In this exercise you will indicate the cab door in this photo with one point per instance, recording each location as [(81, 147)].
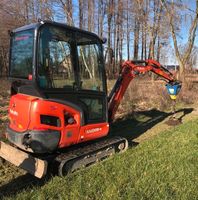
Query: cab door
[(92, 78)]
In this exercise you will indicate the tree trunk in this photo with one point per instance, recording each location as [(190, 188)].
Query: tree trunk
[(101, 14), (109, 55), (136, 38), (91, 15), (80, 13), (128, 32)]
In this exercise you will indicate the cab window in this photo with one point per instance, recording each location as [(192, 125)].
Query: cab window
[(22, 54), (55, 59), (90, 63)]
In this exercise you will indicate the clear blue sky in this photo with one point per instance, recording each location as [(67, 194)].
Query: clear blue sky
[(186, 24)]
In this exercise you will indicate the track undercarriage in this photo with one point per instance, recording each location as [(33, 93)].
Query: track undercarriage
[(64, 161), (89, 154)]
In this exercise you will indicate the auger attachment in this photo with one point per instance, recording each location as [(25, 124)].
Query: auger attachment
[(173, 89)]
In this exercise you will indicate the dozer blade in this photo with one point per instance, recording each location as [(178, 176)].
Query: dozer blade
[(34, 166)]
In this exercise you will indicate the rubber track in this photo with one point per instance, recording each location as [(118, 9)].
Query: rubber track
[(91, 148)]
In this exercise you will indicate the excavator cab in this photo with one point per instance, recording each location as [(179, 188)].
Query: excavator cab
[(55, 61)]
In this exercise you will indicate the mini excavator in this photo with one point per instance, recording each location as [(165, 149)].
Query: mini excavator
[(59, 110)]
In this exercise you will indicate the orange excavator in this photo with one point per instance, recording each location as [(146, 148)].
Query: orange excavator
[(59, 111)]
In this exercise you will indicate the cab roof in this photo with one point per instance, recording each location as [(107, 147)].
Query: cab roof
[(52, 23)]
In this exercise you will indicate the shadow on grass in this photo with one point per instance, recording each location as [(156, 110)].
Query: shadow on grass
[(131, 126), (137, 123), (21, 183)]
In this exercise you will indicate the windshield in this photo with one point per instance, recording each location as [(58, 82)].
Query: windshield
[(22, 54), (69, 60)]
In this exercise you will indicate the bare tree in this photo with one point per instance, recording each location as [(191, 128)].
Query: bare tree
[(67, 6), (101, 16), (155, 27), (182, 58), (80, 13), (91, 12), (110, 14)]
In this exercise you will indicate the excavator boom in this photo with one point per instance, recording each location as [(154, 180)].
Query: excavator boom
[(129, 70)]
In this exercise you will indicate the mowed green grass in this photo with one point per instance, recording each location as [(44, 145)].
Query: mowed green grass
[(164, 167)]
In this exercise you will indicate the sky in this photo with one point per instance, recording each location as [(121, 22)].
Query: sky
[(186, 25)]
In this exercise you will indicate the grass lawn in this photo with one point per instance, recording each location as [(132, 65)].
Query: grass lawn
[(164, 167)]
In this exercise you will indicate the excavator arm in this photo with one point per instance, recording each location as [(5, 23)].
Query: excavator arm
[(129, 70)]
